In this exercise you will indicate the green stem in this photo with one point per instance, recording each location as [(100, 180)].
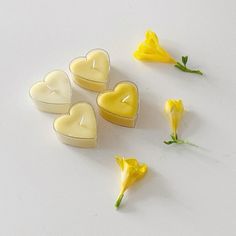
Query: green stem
[(119, 199), (174, 139), (184, 68)]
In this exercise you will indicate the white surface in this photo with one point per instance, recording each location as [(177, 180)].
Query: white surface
[(48, 188)]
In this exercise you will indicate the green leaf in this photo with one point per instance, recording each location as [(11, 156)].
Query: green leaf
[(197, 72), (184, 68), (169, 142), (185, 60)]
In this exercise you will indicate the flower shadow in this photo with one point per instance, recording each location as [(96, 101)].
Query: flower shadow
[(143, 191), (191, 123), (151, 122)]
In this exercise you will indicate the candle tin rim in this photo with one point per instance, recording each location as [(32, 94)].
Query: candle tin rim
[(85, 57), (110, 90), (50, 103), (68, 113)]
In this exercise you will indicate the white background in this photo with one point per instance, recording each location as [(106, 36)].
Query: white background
[(48, 188)]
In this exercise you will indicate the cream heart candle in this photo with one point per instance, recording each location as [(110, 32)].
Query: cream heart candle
[(120, 106), (91, 72), (53, 94), (79, 127)]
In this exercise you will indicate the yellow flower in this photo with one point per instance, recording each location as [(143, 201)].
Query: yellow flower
[(174, 110), (150, 50), (131, 171)]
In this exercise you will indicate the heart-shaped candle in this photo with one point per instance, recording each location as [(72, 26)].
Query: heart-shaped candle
[(79, 127), (91, 72), (120, 106), (53, 94)]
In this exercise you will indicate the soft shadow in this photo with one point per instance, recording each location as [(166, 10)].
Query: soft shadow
[(111, 139), (162, 68), (153, 185), (173, 50), (82, 95), (187, 151), (149, 116), (152, 122), (76, 95), (112, 136), (102, 158), (191, 123), (116, 76)]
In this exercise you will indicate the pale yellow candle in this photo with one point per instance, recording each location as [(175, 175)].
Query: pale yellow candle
[(120, 106), (91, 72), (79, 127), (53, 94)]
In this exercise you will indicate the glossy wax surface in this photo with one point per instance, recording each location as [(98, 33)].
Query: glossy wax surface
[(94, 67), (80, 123), (122, 101), (54, 89)]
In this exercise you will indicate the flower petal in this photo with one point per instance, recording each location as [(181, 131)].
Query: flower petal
[(120, 161), (132, 162), (150, 50), (174, 110), (143, 169)]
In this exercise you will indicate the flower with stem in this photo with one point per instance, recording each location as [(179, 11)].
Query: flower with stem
[(131, 171), (151, 50), (174, 110)]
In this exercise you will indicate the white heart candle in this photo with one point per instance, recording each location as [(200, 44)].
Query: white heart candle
[(79, 127), (53, 94), (91, 72)]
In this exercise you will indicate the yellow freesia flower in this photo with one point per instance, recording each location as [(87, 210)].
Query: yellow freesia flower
[(174, 110), (150, 50), (131, 171)]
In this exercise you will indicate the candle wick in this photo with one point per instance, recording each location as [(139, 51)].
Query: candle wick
[(51, 90), (94, 63), (93, 66), (81, 121), (124, 100)]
